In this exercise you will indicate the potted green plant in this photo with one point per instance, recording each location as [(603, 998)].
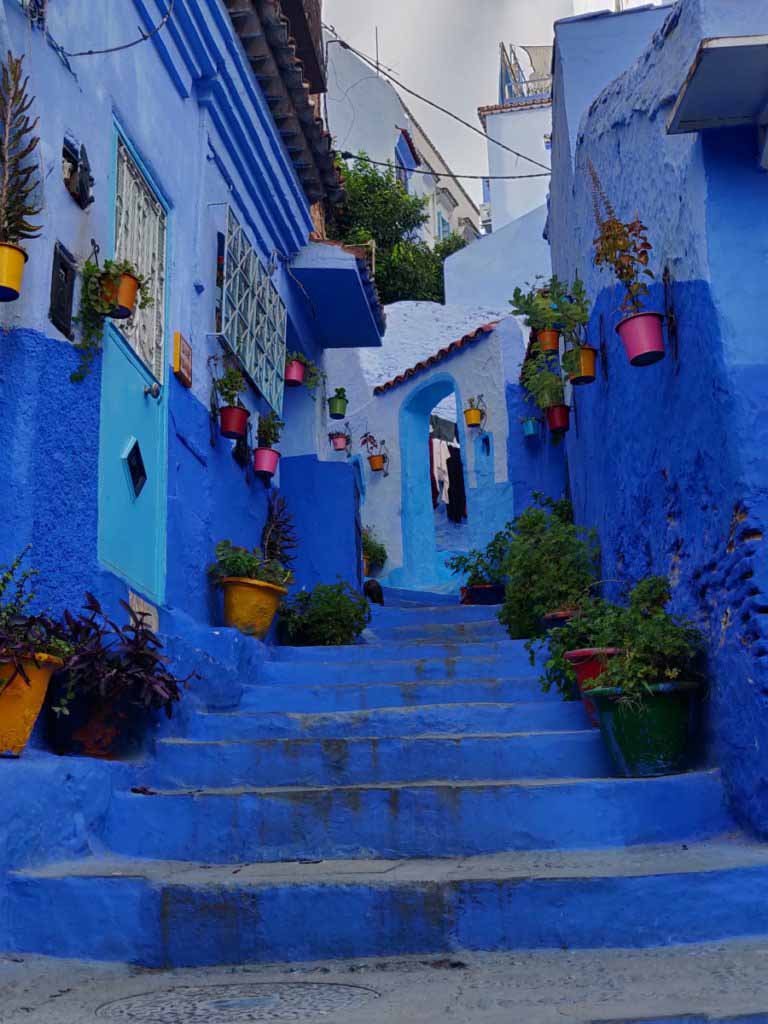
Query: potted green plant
[(545, 387), (579, 358), (378, 458), (329, 615), (253, 584), (484, 570), (265, 457), (540, 307), (550, 564), (341, 440), (374, 552), (19, 176), (32, 648), (114, 291), (114, 684), (337, 404), (476, 412), (301, 370), (233, 416), (624, 247)]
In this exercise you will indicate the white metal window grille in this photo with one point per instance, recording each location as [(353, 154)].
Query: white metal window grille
[(140, 235), (253, 315), (35, 11)]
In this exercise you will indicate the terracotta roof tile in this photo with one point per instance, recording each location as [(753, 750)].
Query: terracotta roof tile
[(438, 357)]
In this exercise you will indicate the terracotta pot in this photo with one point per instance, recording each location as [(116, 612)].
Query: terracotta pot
[(642, 335), (549, 341), (294, 374), (21, 701), (483, 593), (587, 370), (366, 566), (251, 605), (559, 617), (121, 295), (265, 461), (558, 418), (12, 260), (108, 732), (339, 442), (376, 463), (233, 421)]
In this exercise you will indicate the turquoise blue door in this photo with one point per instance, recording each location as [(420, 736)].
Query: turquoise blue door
[(133, 420)]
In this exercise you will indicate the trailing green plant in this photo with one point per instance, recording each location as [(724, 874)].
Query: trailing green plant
[(269, 430), (373, 549), (230, 385), (234, 561), (19, 180), (23, 635), (540, 305), (329, 615), (654, 646), (550, 564), (313, 375), (542, 382), (484, 567), (98, 288), (622, 246), (278, 538)]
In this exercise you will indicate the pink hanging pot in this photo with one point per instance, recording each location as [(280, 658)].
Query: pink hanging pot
[(642, 335), (339, 442), (265, 461), (294, 373)]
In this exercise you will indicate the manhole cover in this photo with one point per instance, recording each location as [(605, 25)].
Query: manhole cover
[(230, 1004)]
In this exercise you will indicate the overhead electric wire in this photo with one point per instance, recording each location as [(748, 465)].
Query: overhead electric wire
[(442, 174), (378, 67), (143, 36)]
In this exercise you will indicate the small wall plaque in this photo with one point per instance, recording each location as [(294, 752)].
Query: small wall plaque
[(182, 359), (138, 605)]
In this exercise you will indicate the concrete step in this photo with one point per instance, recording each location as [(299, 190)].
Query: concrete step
[(372, 665), (426, 819), (341, 762), (453, 632), (390, 650), (522, 716), (317, 697), (167, 914), (429, 614)]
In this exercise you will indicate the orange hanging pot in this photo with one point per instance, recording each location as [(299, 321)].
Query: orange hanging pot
[(376, 463), (587, 366), (121, 295), (549, 341)]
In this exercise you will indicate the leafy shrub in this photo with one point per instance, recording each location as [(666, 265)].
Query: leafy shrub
[(250, 565), (269, 430), (540, 305), (330, 615), (486, 566), (550, 564), (541, 379), (373, 549), (230, 385)]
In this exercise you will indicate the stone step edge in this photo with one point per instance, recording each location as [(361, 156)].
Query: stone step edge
[(183, 741)]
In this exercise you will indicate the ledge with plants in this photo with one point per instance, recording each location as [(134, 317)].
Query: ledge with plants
[(484, 570), (255, 582), (19, 176), (112, 291), (265, 456), (337, 404), (330, 615), (624, 247), (374, 552), (543, 382), (300, 370), (550, 565)]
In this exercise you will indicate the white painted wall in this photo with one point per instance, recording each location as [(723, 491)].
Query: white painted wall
[(524, 130)]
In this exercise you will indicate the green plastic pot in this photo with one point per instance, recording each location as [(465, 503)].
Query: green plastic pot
[(337, 408), (651, 735)]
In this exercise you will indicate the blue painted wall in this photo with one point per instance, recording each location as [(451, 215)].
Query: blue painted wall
[(668, 461)]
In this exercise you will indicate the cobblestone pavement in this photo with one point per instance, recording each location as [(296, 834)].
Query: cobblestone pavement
[(719, 980)]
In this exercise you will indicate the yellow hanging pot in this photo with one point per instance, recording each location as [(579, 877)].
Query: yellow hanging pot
[(12, 260)]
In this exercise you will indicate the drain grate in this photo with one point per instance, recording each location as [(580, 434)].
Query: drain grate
[(233, 1004)]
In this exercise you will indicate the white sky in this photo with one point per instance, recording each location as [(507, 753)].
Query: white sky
[(447, 50)]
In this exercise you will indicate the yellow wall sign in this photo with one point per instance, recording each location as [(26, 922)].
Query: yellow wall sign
[(182, 359)]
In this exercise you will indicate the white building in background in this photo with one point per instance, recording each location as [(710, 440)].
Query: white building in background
[(366, 115)]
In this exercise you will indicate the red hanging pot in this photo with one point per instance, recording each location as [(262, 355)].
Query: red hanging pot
[(642, 335), (558, 418), (233, 421), (265, 461), (294, 373), (589, 664)]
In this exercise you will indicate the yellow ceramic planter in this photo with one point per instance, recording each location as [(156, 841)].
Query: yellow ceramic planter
[(20, 702), (251, 605), (587, 366), (474, 417), (12, 260)]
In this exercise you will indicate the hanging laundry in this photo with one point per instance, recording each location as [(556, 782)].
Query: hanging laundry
[(457, 500)]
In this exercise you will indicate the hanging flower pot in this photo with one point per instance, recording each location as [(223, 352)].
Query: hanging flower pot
[(337, 404), (265, 461), (121, 294), (21, 701), (476, 412), (584, 365), (366, 566), (650, 735), (589, 664), (558, 418), (12, 260), (642, 335), (294, 374), (339, 442), (376, 462), (530, 426), (233, 421), (549, 340), (473, 417)]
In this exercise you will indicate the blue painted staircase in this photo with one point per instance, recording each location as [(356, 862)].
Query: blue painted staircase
[(414, 794)]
